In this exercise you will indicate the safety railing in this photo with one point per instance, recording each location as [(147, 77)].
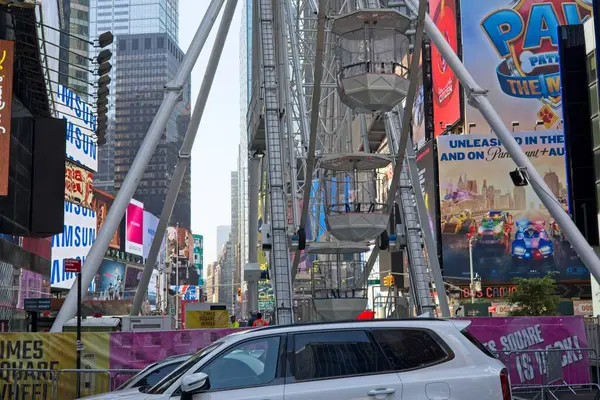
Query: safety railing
[(59, 384), (551, 373)]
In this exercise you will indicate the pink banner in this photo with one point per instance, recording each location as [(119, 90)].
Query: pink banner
[(516, 339), (137, 350)]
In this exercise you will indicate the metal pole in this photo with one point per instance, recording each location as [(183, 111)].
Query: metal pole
[(79, 344), (314, 121), (185, 156), (177, 278), (254, 173), (477, 98), (430, 244), (140, 163), (472, 287)]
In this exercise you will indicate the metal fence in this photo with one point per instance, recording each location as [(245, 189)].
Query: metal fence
[(551, 373), (52, 384)]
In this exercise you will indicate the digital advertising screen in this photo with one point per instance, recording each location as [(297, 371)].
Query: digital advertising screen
[(101, 204), (418, 121), (78, 236), (445, 86), (510, 231), (134, 228), (133, 276), (511, 49), (111, 280), (426, 165)]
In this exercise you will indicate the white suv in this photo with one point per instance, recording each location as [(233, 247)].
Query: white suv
[(382, 359)]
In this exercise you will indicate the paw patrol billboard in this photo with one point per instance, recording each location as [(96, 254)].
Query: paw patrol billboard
[(511, 49)]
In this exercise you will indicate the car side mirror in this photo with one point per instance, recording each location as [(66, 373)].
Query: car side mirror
[(192, 384)]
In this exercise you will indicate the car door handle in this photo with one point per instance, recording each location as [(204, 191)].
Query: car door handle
[(380, 391)]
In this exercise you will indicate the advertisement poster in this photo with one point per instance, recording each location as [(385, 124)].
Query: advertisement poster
[(426, 165), (512, 234), (81, 127), (78, 185), (134, 228), (418, 121), (153, 290), (102, 203), (150, 225), (111, 280), (180, 240), (43, 351), (202, 319), (76, 241), (199, 257), (511, 49), (445, 86), (523, 335)]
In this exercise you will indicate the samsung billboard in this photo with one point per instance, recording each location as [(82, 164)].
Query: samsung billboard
[(75, 242)]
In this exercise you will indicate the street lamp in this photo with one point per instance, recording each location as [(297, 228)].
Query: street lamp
[(475, 285), (471, 126), (514, 124), (538, 123)]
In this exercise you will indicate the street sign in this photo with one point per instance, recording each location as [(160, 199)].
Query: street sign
[(72, 265), (374, 282), (37, 305)]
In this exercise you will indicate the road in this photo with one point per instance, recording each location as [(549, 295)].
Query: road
[(497, 265)]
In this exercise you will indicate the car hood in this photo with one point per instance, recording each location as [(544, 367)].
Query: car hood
[(131, 393)]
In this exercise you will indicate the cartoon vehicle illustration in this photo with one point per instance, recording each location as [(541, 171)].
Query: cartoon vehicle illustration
[(457, 196), (493, 228), (458, 223), (532, 244)]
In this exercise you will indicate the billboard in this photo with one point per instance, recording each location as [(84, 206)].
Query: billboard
[(180, 240), (426, 165), (81, 127), (511, 49), (150, 225), (76, 241), (134, 228), (101, 205), (418, 121), (111, 278), (7, 56), (199, 257), (511, 232), (78, 185), (445, 86)]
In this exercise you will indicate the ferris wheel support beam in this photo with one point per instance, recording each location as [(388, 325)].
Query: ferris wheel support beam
[(172, 96), (421, 12), (477, 97), (314, 121)]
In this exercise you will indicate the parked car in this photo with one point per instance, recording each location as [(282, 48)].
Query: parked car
[(382, 359), (154, 373)]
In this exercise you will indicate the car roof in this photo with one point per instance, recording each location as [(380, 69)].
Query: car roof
[(423, 323)]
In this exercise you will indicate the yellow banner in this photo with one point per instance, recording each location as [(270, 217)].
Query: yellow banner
[(199, 319), (28, 359)]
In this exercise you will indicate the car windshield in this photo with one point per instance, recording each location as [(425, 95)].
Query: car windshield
[(168, 380), (141, 373)]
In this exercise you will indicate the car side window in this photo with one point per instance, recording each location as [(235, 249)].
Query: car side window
[(338, 354), (155, 376), (408, 349), (253, 363)]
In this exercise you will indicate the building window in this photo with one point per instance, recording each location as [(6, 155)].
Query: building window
[(122, 45), (160, 42), (147, 43), (134, 44)]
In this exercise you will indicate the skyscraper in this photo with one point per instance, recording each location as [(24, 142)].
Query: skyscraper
[(223, 232), (74, 64), (125, 17), (146, 63)]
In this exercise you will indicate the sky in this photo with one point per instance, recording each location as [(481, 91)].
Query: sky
[(215, 150)]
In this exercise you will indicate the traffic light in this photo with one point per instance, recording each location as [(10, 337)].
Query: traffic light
[(388, 280), (239, 292)]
